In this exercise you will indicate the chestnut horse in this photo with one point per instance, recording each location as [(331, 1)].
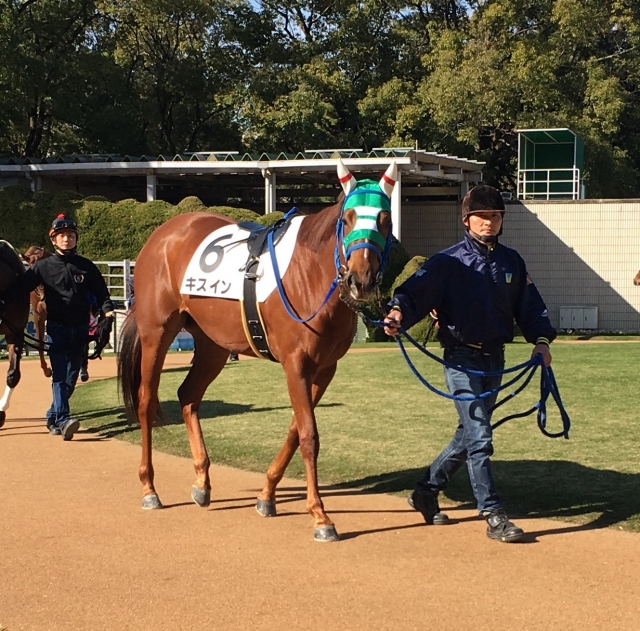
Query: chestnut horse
[(38, 306), (636, 279), (12, 321), (308, 351)]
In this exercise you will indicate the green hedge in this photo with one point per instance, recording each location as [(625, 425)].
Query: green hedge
[(118, 230), (108, 230)]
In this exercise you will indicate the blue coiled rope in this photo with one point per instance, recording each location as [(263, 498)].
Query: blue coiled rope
[(526, 371)]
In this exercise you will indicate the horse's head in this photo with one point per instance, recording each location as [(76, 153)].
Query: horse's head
[(34, 253), (636, 280), (365, 228)]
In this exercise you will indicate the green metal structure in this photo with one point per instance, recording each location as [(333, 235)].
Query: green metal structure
[(550, 164)]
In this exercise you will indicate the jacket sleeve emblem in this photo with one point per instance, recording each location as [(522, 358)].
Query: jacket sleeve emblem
[(508, 276)]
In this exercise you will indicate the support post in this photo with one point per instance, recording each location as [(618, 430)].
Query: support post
[(269, 191), (152, 188), (396, 207), (36, 183)]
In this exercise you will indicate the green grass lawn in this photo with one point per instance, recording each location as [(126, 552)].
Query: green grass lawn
[(380, 427)]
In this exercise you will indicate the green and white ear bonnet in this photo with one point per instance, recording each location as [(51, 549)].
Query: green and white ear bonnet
[(367, 199)]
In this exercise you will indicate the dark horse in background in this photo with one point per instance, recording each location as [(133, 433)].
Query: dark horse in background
[(308, 352), (13, 321)]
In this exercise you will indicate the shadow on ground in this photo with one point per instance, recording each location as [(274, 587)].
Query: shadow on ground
[(597, 498), (172, 415)]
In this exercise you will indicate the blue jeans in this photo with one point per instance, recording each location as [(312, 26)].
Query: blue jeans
[(66, 353), (471, 442)]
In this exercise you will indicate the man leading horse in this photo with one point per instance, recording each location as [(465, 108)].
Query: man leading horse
[(478, 287), (68, 279)]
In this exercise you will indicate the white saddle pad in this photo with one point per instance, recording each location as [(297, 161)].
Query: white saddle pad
[(216, 268)]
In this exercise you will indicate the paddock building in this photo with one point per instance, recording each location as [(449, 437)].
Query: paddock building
[(582, 253)]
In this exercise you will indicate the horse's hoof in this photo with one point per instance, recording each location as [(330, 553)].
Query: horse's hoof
[(3, 416), (326, 533), (266, 508), (202, 497), (151, 502)]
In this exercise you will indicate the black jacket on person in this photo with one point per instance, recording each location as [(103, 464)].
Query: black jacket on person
[(477, 291), (67, 282)]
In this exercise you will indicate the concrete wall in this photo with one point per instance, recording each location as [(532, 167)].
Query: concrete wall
[(582, 253)]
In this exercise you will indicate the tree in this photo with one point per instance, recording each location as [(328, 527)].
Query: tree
[(41, 45), (540, 64)]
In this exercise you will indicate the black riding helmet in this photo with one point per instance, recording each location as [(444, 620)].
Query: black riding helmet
[(60, 224), (483, 198)]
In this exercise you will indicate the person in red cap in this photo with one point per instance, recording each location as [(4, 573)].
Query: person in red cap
[(478, 288), (69, 281)]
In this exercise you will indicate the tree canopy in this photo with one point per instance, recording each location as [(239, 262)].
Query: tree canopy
[(168, 76)]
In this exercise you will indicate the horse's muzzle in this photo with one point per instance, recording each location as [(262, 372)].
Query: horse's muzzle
[(359, 287)]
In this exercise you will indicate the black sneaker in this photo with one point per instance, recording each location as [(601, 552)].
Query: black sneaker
[(69, 428), (500, 528), (53, 430), (429, 507)]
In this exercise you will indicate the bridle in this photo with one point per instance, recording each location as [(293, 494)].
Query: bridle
[(367, 204), (369, 237)]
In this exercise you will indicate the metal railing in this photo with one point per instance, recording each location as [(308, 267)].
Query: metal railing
[(119, 278), (549, 183)]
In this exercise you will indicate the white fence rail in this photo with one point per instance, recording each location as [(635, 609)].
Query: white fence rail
[(119, 278)]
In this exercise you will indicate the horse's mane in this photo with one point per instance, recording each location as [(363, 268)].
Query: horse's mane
[(33, 250), (317, 229)]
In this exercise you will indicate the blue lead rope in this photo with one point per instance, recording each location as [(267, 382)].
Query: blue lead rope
[(548, 385), (276, 270)]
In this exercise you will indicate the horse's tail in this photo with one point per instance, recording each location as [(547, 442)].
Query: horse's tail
[(130, 364)]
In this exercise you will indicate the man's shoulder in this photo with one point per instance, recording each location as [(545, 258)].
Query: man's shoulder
[(506, 251), (45, 263), (84, 261), (452, 250)]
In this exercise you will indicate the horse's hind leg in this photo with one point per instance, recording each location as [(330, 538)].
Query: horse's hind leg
[(155, 344), (209, 359), (38, 321), (303, 424)]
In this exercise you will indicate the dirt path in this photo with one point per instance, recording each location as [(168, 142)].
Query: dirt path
[(77, 552)]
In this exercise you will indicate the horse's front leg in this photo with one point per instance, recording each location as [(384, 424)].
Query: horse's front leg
[(266, 504), (13, 376), (300, 380)]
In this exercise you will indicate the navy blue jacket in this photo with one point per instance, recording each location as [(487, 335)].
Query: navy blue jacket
[(477, 292)]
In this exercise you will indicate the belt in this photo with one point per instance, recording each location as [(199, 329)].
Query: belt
[(485, 350)]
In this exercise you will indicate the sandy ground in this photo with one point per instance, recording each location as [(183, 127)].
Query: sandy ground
[(77, 552)]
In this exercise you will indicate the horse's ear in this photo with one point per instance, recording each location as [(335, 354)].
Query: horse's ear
[(347, 180), (389, 179)]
